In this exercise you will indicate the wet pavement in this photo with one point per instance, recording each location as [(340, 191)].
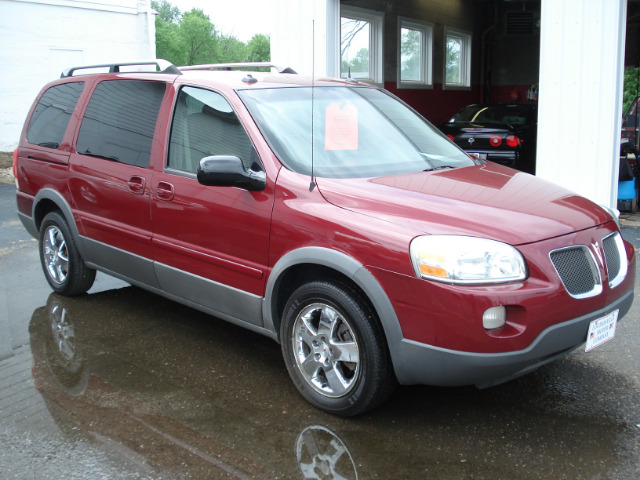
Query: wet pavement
[(123, 384)]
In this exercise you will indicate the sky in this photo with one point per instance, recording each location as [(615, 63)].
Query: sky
[(239, 18)]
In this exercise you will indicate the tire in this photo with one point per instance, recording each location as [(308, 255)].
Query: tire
[(334, 349), (61, 262)]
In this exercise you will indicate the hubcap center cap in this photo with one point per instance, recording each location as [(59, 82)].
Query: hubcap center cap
[(323, 352)]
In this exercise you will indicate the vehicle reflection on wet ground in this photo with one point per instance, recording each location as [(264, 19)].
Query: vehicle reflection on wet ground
[(189, 394), (120, 383)]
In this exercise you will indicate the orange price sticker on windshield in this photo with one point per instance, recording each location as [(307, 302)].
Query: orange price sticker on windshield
[(341, 127)]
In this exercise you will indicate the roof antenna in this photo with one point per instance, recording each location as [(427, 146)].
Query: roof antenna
[(313, 80)]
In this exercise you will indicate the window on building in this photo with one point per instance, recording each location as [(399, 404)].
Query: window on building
[(120, 121), (414, 54), (52, 114), (361, 45), (457, 59)]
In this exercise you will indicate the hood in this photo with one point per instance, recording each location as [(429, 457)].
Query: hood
[(487, 201)]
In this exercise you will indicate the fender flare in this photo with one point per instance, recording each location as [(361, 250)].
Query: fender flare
[(58, 199), (350, 268)]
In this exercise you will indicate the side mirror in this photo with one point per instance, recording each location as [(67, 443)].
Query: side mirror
[(228, 171)]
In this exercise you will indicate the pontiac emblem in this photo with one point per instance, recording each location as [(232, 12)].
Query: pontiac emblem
[(471, 140)]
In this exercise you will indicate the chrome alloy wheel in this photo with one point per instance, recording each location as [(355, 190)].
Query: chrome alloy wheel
[(56, 254), (326, 350)]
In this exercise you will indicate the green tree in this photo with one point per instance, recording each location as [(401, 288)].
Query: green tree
[(631, 86), (230, 50), (259, 48), (410, 54), (453, 60), (354, 32), (169, 42), (166, 12), (358, 66), (199, 36), (191, 38)]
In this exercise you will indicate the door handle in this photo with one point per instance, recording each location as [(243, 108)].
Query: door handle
[(136, 185), (164, 191)]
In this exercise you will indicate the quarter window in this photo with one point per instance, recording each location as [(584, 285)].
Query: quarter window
[(120, 121), (457, 59), (204, 124), (52, 114)]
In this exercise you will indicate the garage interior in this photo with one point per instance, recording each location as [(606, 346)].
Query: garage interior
[(505, 66), (505, 51)]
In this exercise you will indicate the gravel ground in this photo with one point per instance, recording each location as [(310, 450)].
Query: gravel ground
[(6, 175)]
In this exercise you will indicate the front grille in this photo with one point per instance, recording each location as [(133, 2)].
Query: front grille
[(615, 259), (577, 270), (612, 256)]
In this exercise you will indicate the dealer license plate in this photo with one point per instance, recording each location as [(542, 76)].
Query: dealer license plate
[(601, 330)]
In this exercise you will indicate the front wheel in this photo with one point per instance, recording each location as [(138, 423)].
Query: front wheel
[(335, 350), (61, 261)]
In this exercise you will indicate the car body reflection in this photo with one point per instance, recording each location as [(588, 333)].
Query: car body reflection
[(81, 381), (69, 375), (186, 396)]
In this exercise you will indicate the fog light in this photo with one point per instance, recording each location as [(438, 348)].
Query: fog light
[(495, 317)]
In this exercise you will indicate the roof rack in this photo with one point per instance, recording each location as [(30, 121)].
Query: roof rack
[(161, 65), (245, 66)]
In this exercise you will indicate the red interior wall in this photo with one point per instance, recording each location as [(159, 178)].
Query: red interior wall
[(435, 104), (438, 105)]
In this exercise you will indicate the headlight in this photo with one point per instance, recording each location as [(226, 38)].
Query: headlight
[(466, 260)]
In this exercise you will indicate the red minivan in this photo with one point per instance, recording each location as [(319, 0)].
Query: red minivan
[(325, 214)]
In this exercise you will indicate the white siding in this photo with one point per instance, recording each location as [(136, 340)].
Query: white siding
[(581, 75), (305, 31), (40, 39)]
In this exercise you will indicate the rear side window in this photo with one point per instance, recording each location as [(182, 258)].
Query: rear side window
[(120, 121), (52, 114)]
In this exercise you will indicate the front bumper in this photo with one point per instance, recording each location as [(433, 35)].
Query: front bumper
[(419, 363)]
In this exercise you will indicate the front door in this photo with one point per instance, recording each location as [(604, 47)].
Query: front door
[(210, 243)]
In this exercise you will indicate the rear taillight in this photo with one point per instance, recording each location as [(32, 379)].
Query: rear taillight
[(513, 141), (495, 141), (450, 137)]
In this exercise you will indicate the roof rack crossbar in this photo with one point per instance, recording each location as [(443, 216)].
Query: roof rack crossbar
[(231, 66), (163, 66)]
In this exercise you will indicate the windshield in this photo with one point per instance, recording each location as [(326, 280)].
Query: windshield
[(357, 132)]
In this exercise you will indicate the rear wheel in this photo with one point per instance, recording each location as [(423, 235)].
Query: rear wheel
[(335, 350), (61, 262)]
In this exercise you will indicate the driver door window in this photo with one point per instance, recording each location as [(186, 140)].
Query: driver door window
[(204, 124)]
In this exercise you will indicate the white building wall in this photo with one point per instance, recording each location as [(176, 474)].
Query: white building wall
[(580, 107), (304, 31), (40, 39)]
